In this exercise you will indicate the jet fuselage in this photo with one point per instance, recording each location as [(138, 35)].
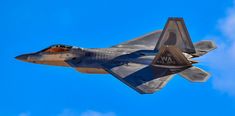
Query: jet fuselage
[(89, 60)]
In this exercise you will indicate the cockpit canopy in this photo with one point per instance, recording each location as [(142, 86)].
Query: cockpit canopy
[(57, 48)]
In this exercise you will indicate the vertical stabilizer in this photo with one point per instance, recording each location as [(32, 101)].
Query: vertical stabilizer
[(176, 34)]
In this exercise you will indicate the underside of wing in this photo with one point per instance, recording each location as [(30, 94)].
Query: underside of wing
[(147, 41), (145, 79)]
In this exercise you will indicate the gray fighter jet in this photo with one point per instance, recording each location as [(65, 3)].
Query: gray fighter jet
[(145, 64)]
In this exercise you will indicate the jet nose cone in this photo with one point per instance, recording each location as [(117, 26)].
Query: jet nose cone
[(22, 57)]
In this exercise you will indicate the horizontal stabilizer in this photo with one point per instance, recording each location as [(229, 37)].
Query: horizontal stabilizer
[(195, 74), (203, 47)]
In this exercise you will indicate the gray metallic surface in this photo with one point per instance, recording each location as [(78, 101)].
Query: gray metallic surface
[(145, 64), (195, 74), (176, 33)]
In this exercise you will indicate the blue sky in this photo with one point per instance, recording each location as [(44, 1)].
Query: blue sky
[(39, 90)]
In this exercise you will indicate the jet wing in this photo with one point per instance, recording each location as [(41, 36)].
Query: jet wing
[(145, 79), (147, 42)]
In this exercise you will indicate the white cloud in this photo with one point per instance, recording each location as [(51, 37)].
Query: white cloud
[(69, 112), (94, 113), (227, 24), (24, 114), (222, 60)]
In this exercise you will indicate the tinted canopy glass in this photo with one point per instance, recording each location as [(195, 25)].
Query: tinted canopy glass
[(57, 48)]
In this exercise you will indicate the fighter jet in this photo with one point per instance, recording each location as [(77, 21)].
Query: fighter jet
[(145, 64)]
